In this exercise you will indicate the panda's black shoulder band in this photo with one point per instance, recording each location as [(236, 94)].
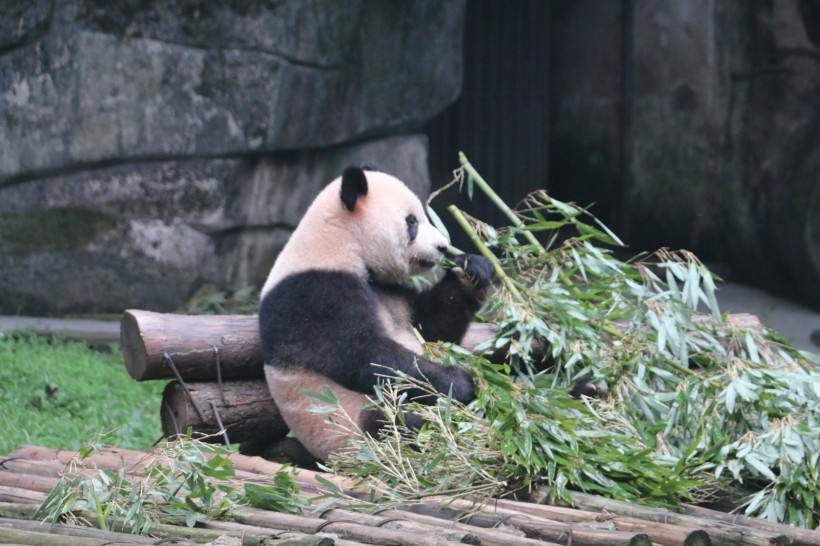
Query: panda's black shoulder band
[(354, 185)]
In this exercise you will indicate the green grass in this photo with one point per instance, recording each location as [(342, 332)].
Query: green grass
[(59, 394)]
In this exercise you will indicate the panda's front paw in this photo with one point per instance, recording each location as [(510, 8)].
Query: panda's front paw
[(585, 386), (476, 269), (461, 384)]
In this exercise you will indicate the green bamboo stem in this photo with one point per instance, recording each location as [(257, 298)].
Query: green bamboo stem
[(497, 201), (482, 248)]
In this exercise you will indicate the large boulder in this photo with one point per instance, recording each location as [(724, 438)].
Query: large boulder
[(98, 83), (147, 148), (148, 235)]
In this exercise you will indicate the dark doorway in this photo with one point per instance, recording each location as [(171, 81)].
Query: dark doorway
[(501, 120)]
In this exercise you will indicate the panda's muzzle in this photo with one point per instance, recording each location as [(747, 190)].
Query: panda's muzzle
[(428, 261), (424, 262)]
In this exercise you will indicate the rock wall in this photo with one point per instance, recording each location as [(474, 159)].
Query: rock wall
[(147, 148), (723, 140)]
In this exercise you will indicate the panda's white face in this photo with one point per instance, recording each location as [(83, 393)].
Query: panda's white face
[(378, 229), (395, 237)]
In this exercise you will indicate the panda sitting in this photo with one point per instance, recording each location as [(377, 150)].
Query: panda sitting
[(337, 310)]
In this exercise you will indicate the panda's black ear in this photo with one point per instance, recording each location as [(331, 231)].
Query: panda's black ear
[(354, 185)]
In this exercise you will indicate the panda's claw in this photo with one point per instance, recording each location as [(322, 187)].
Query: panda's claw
[(478, 269)]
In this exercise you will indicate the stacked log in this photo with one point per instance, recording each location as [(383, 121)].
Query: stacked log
[(215, 363), (28, 473)]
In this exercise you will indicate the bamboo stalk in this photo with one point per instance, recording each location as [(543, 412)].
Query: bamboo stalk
[(134, 462), (27, 481), (720, 533), (67, 532), (280, 534), (345, 529), (17, 494), (541, 528), (31, 467), (488, 536), (798, 536), (34, 538), (497, 201), (482, 248), (402, 524)]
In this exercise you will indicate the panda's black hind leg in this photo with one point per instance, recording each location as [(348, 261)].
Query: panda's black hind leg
[(282, 450)]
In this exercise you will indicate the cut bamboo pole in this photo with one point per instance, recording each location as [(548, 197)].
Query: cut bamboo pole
[(541, 528), (29, 466), (34, 538), (17, 494), (27, 481), (430, 523), (247, 467), (346, 529), (280, 534), (798, 536), (402, 524), (66, 532), (737, 534)]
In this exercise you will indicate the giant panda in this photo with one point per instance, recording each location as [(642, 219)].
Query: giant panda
[(337, 303)]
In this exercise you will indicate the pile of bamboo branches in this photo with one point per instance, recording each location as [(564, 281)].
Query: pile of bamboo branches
[(28, 474)]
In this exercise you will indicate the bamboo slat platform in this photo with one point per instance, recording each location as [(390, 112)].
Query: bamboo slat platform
[(29, 473)]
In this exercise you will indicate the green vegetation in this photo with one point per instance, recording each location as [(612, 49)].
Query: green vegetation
[(184, 480), (58, 394), (698, 407)]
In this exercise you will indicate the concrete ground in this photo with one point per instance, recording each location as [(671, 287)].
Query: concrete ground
[(798, 324)]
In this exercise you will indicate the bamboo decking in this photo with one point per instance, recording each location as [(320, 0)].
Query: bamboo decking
[(29, 473)]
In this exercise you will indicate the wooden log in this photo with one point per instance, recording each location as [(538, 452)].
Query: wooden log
[(64, 533), (798, 536), (244, 408), (346, 529), (542, 528), (28, 466), (200, 347), (403, 524), (27, 481), (633, 516), (281, 534), (134, 461), (18, 494), (489, 536), (193, 343)]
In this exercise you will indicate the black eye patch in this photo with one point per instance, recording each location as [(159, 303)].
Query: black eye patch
[(412, 226)]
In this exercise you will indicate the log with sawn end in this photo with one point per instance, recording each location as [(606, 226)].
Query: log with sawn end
[(208, 347)]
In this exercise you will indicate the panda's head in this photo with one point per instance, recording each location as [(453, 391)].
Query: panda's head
[(367, 223), (393, 236)]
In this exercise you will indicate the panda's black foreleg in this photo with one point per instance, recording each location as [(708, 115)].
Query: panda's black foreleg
[(444, 312), (389, 355)]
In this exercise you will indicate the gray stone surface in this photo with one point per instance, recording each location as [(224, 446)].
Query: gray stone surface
[(150, 147), (149, 235), (164, 79), (723, 147)]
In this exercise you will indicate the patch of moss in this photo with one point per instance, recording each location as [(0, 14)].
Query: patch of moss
[(60, 228)]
